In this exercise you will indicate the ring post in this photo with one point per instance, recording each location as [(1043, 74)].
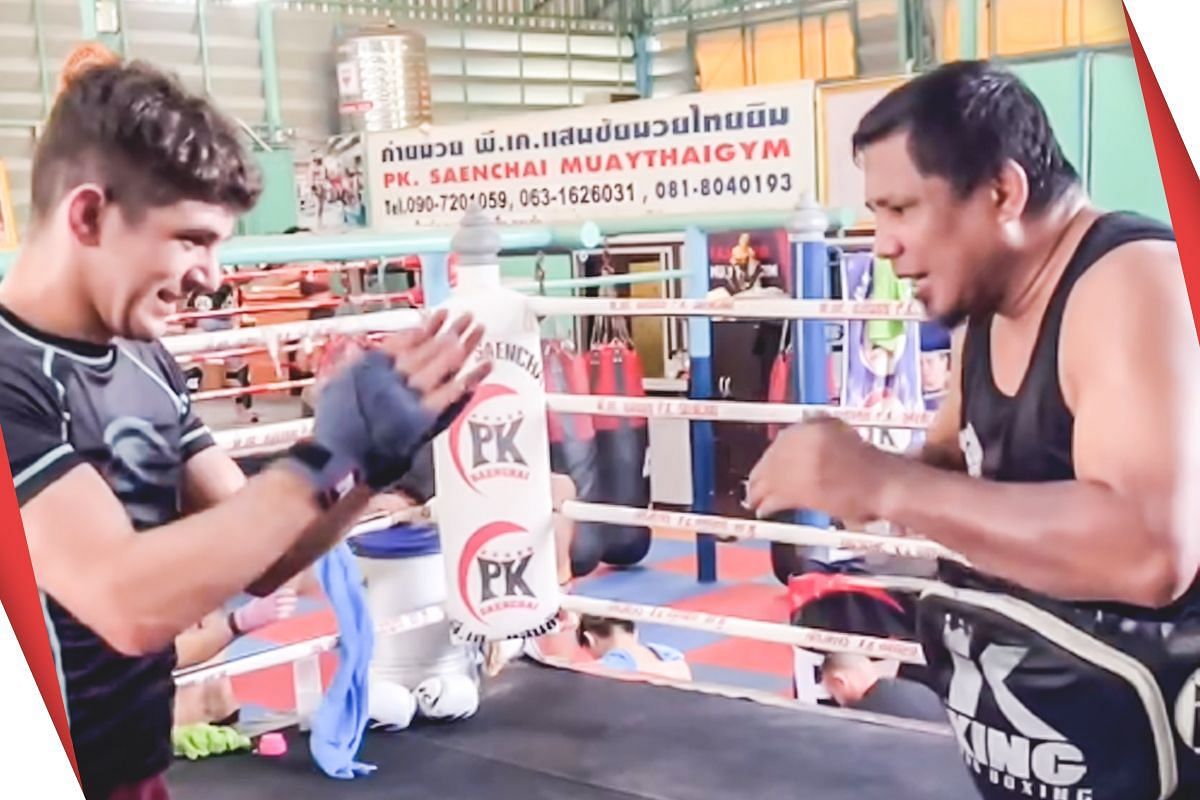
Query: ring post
[(810, 282), (695, 258)]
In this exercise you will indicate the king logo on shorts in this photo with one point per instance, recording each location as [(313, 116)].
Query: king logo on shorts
[(483, 439), (491, 570), (1027, 756)]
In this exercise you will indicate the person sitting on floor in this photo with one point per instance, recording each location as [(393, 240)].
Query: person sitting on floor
[(214, 701), (615, 645), (857, 682)]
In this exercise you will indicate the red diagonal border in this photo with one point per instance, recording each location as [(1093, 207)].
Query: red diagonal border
[(21, 601), (1178, 171), (18, 590)]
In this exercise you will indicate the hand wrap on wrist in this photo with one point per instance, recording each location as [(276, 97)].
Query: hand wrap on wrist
[(369, 425)]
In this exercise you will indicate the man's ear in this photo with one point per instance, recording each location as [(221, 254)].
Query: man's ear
[(1011, 191), (85, 207)]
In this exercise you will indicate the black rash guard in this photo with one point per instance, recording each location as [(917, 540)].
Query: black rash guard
[(122, 409)]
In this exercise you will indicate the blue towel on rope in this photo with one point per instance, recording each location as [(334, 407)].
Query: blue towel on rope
[(341, 719)]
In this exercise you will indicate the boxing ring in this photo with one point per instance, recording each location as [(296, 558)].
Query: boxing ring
[(547, 732)]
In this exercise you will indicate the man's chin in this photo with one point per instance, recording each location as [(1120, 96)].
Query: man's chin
[(146, 330), (950, 319)]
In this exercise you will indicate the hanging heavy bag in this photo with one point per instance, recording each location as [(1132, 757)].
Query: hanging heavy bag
[(786, 559), (621, 442), (573, 447), (780, 385)]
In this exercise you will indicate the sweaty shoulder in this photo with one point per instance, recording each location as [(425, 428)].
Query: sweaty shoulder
[(1132, 298)]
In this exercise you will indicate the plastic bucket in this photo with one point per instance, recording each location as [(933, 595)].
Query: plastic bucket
[(404, 571)]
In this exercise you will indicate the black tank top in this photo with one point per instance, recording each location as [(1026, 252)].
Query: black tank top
[(1027, 437)]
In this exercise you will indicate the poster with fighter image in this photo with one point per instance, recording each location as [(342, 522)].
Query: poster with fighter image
[(749, 260), (329, 184), (751, 149), (493, 477), (881, 367)]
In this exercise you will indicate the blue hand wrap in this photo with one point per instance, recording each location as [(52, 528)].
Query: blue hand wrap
[(369, 422)]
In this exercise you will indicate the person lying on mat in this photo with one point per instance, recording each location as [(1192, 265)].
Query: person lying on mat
[(214, 701), (859, 683), (615, 645), (138, 526)]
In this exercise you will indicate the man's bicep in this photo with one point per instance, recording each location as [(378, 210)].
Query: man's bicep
[(210, 477), (75, 529), (1132, 366)]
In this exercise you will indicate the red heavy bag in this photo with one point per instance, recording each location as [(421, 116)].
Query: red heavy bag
[(786, 559), (781, 386), (622, 442), (573, 447)]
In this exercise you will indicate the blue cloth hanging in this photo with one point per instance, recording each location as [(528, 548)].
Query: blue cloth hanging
[(341, 719)]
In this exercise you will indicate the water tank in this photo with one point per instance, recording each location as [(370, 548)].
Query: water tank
[(383, 80)]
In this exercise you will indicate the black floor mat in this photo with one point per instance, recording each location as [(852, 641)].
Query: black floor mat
[(547, 733)]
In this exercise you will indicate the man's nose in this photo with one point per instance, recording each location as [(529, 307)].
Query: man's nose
[(887, 245), (205, 275)]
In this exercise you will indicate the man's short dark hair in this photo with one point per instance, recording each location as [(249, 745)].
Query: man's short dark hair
[(965, 120), (602, 627), (148, 141)]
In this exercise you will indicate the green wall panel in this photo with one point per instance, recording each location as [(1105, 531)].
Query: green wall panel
[(1124, 174), (276, 210), (1059, 84)]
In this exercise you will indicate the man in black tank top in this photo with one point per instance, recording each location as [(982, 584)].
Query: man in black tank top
[(137, 526), (1062, 467)]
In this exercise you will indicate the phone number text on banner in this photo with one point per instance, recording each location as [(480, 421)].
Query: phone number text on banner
[(749, 150)]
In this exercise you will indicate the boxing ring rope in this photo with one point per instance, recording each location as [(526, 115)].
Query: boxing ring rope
[(255, 440), (774, 632), (269, 335), (731, 411), (337, 301), (253, 389), (780, 532), (774, 309), (243, 441), (396, 319), (384, 298), (288, 654), (234, 352), (278, 435), (258, 439), (265, 438)]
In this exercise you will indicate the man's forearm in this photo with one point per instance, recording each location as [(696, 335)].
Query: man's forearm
[(166, 579), (1070, 539), (317, 539), (199, 644)]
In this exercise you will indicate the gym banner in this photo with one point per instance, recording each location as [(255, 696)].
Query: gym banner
[(752, 149)]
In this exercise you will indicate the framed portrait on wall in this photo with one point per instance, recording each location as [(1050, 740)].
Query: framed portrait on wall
[(8, 215)]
